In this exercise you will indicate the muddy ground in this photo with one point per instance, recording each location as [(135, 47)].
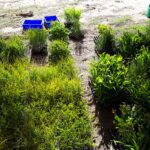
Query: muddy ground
[(93, 11), (118, 13)]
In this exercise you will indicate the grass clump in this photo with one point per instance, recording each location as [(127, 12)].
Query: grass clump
[(58, 32), (11, 49), (67, 67), (42, 109), (38, 41), (72, 17), (59, 50)]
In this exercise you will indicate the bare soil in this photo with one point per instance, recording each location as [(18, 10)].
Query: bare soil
[(118, 13)]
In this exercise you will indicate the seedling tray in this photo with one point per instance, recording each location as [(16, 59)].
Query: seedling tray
[(32, 24), (48, 20)]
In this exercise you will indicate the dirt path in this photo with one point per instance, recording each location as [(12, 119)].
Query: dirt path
[(83, 53)]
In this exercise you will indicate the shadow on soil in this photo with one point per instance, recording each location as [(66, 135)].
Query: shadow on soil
[(105, 125), (39, 59), (78, 48), (105, 117)]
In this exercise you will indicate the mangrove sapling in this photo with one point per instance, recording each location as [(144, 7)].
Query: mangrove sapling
[(38, 41), (59, 50), (105, 42), (129, 44), (108, 76), (12, 49), (72, 17), (58, 32), (138, 74), (132, 125)]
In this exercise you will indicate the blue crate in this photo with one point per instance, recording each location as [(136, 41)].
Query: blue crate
[(48, 20), (32, 24)]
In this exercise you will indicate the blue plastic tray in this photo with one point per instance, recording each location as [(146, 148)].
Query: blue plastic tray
[(32, 24), (48, 20)]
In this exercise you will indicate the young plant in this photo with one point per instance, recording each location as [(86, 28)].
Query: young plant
[(59, 50), (145, 35), (133, 126), (38, 41), (108, 79), (125, 126), (139, 74), (105, 42), (129, 44), (58, 32), (12, 49), (72, 17)]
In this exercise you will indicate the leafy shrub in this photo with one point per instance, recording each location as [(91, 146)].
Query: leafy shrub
[(58, 32), (133, 128), (12, 49), (38, 39), (108, 75), (72, 17), (42, 109), (140, 64), (59, 50), (138, 74), (133, 123), (105, 41), (129, 44)]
